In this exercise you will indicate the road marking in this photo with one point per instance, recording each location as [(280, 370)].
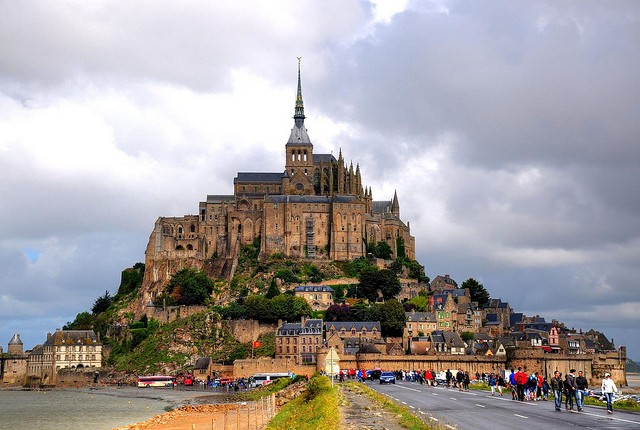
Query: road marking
[(453, 398), (422, 412), (609, 417), (448, 426), (521, 416), (480, 406), (412, 407), (435, 394), (404, 403), (433, 419)]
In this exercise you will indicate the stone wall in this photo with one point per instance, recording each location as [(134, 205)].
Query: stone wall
[(171, 313), (248, 330), (246, 368)]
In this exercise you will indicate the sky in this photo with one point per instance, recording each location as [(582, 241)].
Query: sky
[(508, 129)]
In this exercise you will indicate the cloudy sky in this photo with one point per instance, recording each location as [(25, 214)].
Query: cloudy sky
[(509, 130)]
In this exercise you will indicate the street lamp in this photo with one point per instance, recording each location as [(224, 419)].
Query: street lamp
[(410, 336)]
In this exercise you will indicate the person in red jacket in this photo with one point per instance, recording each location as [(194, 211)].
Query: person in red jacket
[(521, 379)]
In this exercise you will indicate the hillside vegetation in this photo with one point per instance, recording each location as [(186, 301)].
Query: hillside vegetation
[(260, 290)]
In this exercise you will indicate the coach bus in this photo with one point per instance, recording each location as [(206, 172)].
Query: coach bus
[(157, 381), (260, 379)]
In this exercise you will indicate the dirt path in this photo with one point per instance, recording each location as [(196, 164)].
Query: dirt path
[(360, 412)]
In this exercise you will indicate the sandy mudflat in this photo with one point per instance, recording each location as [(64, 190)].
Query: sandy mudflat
[(198, 417)]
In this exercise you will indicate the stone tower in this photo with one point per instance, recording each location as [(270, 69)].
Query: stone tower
[(15, 345)]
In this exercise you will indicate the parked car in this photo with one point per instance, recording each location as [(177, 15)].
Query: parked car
[(387, 378), (373, 374)]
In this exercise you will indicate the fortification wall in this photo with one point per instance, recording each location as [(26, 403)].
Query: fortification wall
[(246, 368), (172, 313), (248, 330)]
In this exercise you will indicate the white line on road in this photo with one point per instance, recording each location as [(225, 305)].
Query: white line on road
[(453, 398), (433, 419), (412, 407), (404, 403), (609, 417), (450, 427), (480, 406), (521, 416)]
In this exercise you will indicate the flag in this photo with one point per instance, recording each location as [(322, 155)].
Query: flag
[(257, 344)]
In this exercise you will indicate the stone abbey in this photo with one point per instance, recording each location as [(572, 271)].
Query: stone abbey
[(316, 208)]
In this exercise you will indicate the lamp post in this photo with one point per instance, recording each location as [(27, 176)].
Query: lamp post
[(409, 343)]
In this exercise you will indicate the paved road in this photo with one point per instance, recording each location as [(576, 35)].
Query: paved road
[(478, 410)]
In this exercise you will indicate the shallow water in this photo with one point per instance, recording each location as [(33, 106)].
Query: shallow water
[(101, 409)]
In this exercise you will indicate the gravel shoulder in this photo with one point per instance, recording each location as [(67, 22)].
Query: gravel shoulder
[(360, 412)]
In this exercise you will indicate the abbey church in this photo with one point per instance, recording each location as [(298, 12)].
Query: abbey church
[(316, 208)]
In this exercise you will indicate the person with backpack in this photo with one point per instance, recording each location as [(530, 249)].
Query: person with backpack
[(500, 384), (513, 385)]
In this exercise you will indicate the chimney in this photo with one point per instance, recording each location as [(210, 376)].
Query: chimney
[(48, 336)]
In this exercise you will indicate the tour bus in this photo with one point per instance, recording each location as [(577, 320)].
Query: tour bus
[(260, 379), (157, 381)]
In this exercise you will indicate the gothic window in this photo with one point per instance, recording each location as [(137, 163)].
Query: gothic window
[(192, 228), (180, 230), (190, 247)]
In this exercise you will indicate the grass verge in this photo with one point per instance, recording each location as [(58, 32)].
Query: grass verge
[(316, 409)]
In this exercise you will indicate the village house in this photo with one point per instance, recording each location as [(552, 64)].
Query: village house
[(300, 341), (319, 297)]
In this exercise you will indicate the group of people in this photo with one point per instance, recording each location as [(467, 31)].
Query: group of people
[(577, 387)]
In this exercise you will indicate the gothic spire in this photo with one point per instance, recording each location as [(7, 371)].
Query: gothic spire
[(299, 134), (299, 112)]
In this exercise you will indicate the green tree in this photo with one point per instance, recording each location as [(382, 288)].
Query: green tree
[(83, 321), (402, 254), (477, 291), (383, 250), (361, 311), (190, 287), (259, 308), (391, 316), (374, 282), (419, 303), (466, 336), (102, 303), (273, 289)]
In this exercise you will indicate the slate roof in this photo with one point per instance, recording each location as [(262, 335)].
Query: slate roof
[(420, 317), (313, 289), (381, 207), (220, 198), (309, 199), (251, 177), (515, 318), (15, 340), (358, 325), (72, 337), (310, 326), (324, 158), (202, 363), (299, 136)]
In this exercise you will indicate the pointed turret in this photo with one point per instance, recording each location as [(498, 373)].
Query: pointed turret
[(15, 345), (395, 206)]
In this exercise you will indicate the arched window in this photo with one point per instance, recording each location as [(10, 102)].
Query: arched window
[(192, 228)]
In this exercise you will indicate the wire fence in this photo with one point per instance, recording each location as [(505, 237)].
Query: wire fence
[(246, 415)]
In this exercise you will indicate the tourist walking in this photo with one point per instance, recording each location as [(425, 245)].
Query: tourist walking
[(556, 386), (582, 385), (492, 383), (608, 390), (521, 380), (513, 385), (570, 388), (501, 384)]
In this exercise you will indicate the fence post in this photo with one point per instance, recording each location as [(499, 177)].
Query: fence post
[(237, 416)]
